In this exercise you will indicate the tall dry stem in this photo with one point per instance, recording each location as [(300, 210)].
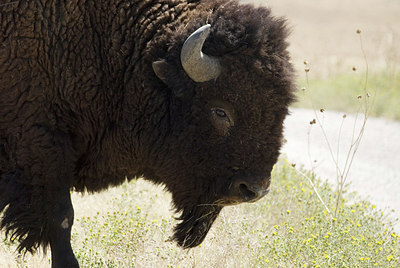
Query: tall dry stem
[(365, 105)]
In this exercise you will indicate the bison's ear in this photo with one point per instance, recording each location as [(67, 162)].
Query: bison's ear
[(160, 68)]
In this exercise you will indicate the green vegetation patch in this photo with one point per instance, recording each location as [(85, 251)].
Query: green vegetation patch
[(341, 93), (288, 228)]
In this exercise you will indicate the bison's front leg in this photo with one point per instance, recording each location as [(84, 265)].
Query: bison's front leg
[(37, 215), (60, 223), (45, 159)]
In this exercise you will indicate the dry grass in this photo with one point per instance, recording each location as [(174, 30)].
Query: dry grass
[(131, 227)]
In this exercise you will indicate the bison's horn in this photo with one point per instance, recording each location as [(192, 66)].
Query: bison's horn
[(198, 66)]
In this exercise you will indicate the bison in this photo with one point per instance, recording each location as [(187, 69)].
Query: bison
[(188, 94)]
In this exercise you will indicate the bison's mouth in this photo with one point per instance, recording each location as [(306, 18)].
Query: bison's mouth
[(196, 222)]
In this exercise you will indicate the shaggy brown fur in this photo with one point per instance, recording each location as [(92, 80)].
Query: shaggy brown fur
[(81, 108)]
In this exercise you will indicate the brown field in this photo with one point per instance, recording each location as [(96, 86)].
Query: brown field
[(324, 33)]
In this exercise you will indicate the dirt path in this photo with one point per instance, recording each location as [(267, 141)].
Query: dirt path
[(375, 173)]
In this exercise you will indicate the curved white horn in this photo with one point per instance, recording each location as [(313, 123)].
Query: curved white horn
[(199, 66)]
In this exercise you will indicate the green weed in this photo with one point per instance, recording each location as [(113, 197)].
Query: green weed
[(340, 93)]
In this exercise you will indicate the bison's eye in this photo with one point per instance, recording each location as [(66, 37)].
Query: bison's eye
[(222, 120), (220, 113)]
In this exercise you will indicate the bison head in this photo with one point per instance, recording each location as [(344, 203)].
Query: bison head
[(230, 85)]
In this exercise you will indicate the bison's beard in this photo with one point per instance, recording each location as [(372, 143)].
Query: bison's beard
[(196, 222)]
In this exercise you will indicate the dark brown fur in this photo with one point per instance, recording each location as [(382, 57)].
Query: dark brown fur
[(81, 108)]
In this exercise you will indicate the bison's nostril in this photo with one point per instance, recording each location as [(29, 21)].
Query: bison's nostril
[(246, 192)]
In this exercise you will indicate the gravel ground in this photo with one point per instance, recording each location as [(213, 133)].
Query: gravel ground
[(375, 171)]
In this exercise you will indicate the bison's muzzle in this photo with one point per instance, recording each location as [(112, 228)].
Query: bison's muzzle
[(197, 220), (251, 193), (247, 188)]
